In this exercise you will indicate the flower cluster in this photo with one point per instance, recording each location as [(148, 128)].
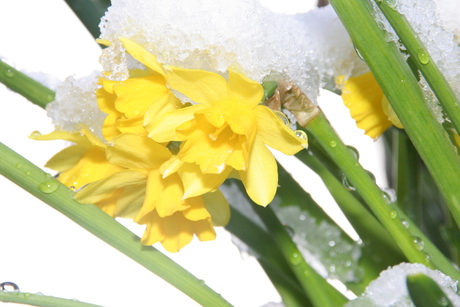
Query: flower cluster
[(161, 161)]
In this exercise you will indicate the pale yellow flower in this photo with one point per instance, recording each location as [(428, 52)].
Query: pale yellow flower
[(368, 105), (150, 199), (227, 129), (126, 102)]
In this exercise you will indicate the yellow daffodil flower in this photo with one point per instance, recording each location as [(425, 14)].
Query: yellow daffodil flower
[(227, 129), (143, 194), (126, 102), (82, 163), (368, 105)]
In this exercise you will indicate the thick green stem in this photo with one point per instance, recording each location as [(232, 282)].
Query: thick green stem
[(40, 300), (424, 62), (25, 86), (406, 97), (46, 188), (413, 243)]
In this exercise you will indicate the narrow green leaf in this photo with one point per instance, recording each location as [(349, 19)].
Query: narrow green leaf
[(46, 188), (412, 242), (377, 241), (423, 62), (425, 292), (90, 13), (40, 300), (405, 96), (25, 86)]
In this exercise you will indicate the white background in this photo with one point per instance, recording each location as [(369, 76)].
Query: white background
[(43, 251)]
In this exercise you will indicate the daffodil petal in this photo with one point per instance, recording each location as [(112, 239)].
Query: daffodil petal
[(66, 158), (135, 95), (201, 86), (273, 132), (362, 95), (92, 166), (179, 233), (154, 232), (163, 128), (74, 137), (204, 230), (244, 89), (101, 189), (171, 166), (130, 201), (218, 207), (162, 195), (136, 151), (261, 178), (142, 55), (109, 203), (131, 125), (196, 183), (197, 211), (164, 104)]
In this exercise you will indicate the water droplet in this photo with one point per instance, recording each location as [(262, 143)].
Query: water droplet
[(136, 112), (444, 302), (418, 243), (371, 175), (39, 293), (19, 165), (354, 152), (212, 136), (423, 56), (386, 197), (390, 3), (26, 295), (35, 134), (405, 224), (347, 184), (301, 134), (359, 54), (28, 173), (9, 73), (283, 117), (332, 268), (393, 214), (49, 186), (110, 144), (427, 258), (72, 188), (295, 258), (331, 243), (8, 286), (50, 97), (332, 144)]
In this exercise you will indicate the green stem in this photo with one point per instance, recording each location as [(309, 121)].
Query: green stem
[(405, 174), (390, 216), (321, 294), (376, 239), (406, 97), (90, 13), (46, 188), (424, 62), (40, 300), (25, 86)]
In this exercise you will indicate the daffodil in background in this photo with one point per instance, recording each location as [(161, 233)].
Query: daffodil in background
[(368, 105)]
